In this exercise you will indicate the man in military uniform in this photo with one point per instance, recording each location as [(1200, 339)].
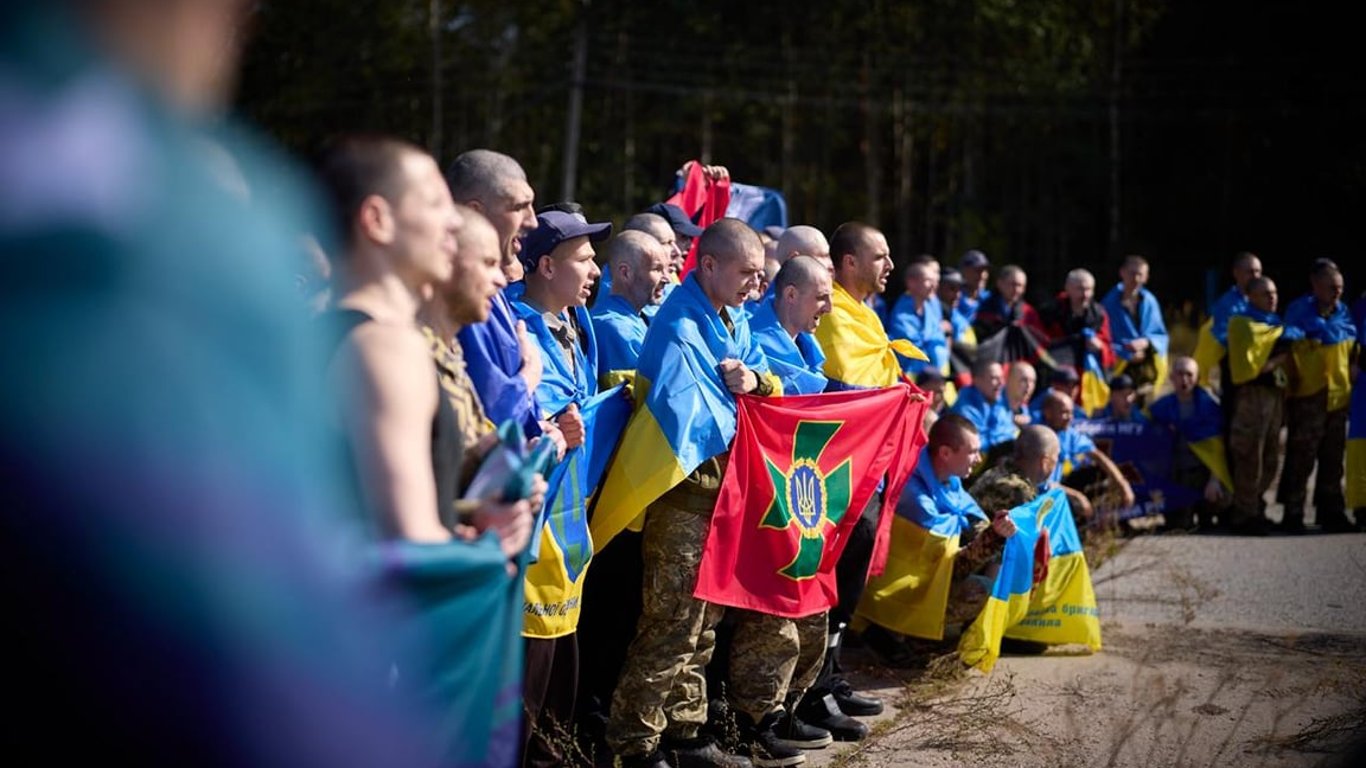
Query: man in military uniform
[(1258, 359), (1316, 412)]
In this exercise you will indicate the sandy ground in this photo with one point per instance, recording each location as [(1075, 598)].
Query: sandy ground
[(1218, 651)]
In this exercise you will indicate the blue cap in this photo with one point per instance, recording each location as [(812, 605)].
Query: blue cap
[(973, 259), (678, 220), (555, 227)]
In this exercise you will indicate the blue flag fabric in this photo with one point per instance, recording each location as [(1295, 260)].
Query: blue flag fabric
[(561, 383), (1123, 327), (620, 334), (1231, 303), (676, 426), (923, 329), (946, 509), (993, 420), (493, 359), (464, 622), (796, 362)]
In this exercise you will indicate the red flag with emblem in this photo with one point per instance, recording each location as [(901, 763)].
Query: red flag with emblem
[(801, 471)]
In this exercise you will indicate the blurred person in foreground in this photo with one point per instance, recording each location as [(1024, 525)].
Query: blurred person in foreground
[(179, 543)]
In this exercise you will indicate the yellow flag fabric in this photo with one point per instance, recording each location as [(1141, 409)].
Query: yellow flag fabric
[(911, 595), (1249, 346), (1208, 352), (857, 350), (1356, 473), (1061, 609), (1212, 453)]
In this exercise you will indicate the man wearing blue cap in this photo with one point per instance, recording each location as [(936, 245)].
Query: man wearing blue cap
[(557, 259), (974, 267)]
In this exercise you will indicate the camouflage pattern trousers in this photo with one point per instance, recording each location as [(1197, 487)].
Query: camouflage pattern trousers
[(773, 660), (1313, 435), (663, 685), (1254, 448)]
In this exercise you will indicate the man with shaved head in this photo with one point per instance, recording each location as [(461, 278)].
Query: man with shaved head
[(1316, 412), (655, 226), (1006, 305), (699, 349), (503, 362), (1078, 325), (935, 499), (1080, 464), (1021, 476), (1212, 343), (1258, 361), (783, 323), (640, 268), (919, 317), (803, 240), (1194, 419)]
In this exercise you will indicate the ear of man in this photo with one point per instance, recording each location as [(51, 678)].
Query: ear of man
[(375, 220)]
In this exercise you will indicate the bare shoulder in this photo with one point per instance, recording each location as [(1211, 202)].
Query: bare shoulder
[(388, 362)]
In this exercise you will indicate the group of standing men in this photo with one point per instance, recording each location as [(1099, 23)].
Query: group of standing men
[(1109, 360)]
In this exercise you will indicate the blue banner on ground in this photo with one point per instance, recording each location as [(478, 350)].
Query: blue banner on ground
[(1143, 453)]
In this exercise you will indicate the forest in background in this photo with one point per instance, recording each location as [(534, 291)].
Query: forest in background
[(1050, 133)]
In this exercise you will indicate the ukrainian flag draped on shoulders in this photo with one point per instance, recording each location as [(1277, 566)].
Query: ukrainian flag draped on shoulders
[(1252, 337), (684, 412), (911, 595), (1356, 437), (795, 361), (1203, 430), (858, 354), (564, 548), (1042, 599), (1323, 357), (1125, 327), (620, 332), (1211, 341)]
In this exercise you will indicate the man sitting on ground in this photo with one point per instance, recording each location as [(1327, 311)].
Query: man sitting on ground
[(1195, 419), (1080, 464)]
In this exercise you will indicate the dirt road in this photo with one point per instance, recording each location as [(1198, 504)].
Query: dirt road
[(1219, 651)]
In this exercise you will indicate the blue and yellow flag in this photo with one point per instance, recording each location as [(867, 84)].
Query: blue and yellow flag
[(620, 331), (1203, 430), (687, 418), (1060, 609), (1124, 327), (1252, 337), (858, 353), (1212, 340), (911, 595), (554, 582), (1323, 357), (1356, 438)]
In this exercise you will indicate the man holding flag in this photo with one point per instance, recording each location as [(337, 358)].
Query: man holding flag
[(859, 355), (557, 258), (1211, 344), (941, 540), (783, 325), (1139, 334), (696, 357)]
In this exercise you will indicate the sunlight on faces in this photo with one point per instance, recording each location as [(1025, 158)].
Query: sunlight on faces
[(1080, 290), (731, 278), (478, 274), (643, 281), (569, 272), (921, 281), (512, 216), (1183, 375), (958, 458), (871, 264), (949, 294), (424, 222), (1020, 383), (1057, 411), (975, 278), (808, 303), (1262, 295), (989, 380)]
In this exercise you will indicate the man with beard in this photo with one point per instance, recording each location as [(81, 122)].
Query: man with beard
[(639, 265)]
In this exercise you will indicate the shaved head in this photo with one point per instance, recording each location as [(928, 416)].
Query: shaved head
[(482, 174), (729, 239), (650, 223), (802, 240), (631, 248), (1036, 442), (799, 271)]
